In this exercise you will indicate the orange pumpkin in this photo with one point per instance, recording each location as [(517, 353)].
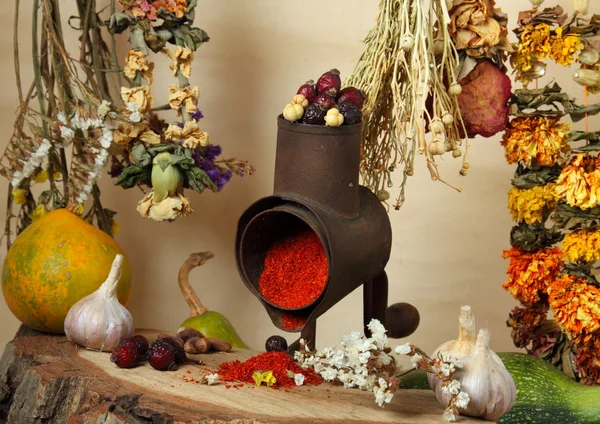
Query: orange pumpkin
[(54, 263)]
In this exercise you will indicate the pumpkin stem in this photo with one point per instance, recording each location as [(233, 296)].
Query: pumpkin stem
[(190, 296)]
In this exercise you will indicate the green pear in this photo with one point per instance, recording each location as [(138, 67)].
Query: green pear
[(210, 323)]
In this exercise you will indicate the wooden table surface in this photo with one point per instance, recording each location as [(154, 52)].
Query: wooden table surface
[(44, 378)]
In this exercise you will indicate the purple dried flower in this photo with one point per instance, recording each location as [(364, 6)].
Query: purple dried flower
[(198, 114), (223, 179), (212, 151)]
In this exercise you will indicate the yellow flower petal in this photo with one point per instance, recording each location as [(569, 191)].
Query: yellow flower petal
[(19, 196), (264, 376)]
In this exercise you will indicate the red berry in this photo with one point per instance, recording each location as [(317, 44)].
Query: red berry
[(325, 101), (139, 341), (125, 356), (351, 95), (180, 356), (162, 356), (308, 90), (330, 82), (314, 115)]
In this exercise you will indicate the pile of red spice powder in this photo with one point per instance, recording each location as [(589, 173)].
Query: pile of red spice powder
[(277, 362), (295, 270)]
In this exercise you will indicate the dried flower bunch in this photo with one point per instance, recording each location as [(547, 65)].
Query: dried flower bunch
[(66, 139), (555, 196), (166, 157), (366, 363), (409, 72), (62, 135)]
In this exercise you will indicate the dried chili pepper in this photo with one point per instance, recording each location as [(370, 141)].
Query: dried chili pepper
[(279, 363), (295, 271)]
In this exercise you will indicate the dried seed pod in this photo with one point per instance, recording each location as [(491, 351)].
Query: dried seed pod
[(187, 333), (179, 340), (589, 56), (220, 345), (190, 345), (203, 345)]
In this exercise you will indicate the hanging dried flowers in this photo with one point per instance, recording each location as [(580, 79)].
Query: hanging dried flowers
[(168, 157), (554, 198), (530, 273)]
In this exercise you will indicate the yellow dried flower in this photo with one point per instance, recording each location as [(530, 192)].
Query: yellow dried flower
[(79, 210), (139, 95), (115, 228), (539, 138), (582, 245), (565, 48), (264, 376), (190, 134), (57, 176), (530, 205), (137, 62), (186, 96), (579, 182), (40, 177), (168, 209), (37, 213), (182, 60), (126, 133), (536, 40), (575, 305), (19, 196)]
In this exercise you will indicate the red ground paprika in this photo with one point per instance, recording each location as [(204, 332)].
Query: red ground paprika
[(295, 270), (292, 322), (277, 362)]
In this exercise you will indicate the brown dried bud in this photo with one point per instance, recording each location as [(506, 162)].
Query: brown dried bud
[(203, 345), (186, 333), (190, 345), (220, 345)]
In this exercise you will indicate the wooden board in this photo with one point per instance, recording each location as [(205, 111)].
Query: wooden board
[(45, 378)]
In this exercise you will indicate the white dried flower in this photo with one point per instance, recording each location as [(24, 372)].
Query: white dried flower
[(212, 379), (299, 379), (135, 116), (449, 415), (67, 134), (404, 349), (103, 109), (452, 388), (414, 360), (462, 400), (107, 138), (61, 118)]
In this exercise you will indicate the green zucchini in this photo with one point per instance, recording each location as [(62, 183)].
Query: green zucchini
[(544, 394)]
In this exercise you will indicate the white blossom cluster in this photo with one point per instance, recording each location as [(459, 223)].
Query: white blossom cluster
[(32, 163), (99, 154), (359, 362)]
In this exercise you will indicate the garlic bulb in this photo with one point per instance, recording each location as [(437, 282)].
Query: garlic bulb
[(99, 321), (481, 375)]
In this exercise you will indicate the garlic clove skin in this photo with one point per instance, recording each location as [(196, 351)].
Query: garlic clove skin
[(99, 321), (467, 336)]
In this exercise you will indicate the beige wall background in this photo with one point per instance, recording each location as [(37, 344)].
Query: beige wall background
[(447, 246)]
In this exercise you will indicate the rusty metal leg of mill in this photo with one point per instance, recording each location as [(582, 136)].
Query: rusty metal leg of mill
[(375, 299)]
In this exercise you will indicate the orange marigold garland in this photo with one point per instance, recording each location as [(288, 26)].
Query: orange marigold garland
[(554, 197)]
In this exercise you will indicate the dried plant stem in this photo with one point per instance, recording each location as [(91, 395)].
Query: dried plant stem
[(406, 68)]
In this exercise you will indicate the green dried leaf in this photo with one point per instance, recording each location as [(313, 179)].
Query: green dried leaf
[(44, 197), (535, 175), (154, 42), (138, 41), (133, 175), (119, 22), (154, 150), (568, 218), (197, 179), (140, 156), (532, 237), (584, 270)]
